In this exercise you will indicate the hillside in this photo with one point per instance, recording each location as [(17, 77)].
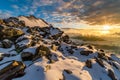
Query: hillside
[(42, 52)]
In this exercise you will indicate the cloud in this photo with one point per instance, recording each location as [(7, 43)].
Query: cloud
[(94, 12), (5, 14), (15, 7)]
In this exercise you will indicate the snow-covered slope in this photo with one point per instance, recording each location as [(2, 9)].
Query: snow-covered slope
[(49, 54), (32, 21)]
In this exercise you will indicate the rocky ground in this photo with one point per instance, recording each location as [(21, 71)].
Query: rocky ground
[(46, 53)]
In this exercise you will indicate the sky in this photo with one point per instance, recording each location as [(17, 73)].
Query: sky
[(66, 13)]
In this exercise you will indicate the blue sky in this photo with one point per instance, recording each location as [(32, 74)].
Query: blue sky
[(66, 13)]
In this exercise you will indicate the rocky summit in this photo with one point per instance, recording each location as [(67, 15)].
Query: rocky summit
[(32, 49)]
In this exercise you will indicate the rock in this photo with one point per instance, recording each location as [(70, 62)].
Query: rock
[(111, 74), (10, 33), (48, 67), (1, 45), (89, 63), (100, 62), (54, 47), (102, 56), (86, 53), (65, 38), (27, 56), (68, 71), (90, 47), (43, 51), (7, 43), (12, 70)]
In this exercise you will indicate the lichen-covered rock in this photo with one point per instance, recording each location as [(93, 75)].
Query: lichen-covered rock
[(6, 43), (11, 33), (43, 51)]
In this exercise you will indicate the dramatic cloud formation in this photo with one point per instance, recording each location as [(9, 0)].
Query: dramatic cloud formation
[(93, 12)]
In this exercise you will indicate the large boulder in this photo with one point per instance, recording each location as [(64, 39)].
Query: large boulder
[(12, 69)]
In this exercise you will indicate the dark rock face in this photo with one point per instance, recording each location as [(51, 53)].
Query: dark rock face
[(86, 53)]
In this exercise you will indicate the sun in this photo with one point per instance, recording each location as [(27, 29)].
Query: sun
[(106, 27)]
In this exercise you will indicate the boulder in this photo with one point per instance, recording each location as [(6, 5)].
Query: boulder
[(27, 56), (7, 43), (11, 70), (43, 51)]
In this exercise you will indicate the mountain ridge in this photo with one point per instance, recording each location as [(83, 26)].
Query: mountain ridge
[(47, 53)]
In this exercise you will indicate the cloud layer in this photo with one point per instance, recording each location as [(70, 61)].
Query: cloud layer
[(93, 12)]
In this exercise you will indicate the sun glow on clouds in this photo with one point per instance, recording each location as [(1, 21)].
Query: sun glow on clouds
[(106, 29)]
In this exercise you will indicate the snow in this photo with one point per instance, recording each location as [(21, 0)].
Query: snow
[(33, 22)]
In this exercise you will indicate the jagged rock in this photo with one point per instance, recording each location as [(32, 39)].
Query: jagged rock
[(86, 52), (27, 56), (11, 70), (111, 74), (89, 63), (68, 71), (43, 51), (7, 43), (14, 22)]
